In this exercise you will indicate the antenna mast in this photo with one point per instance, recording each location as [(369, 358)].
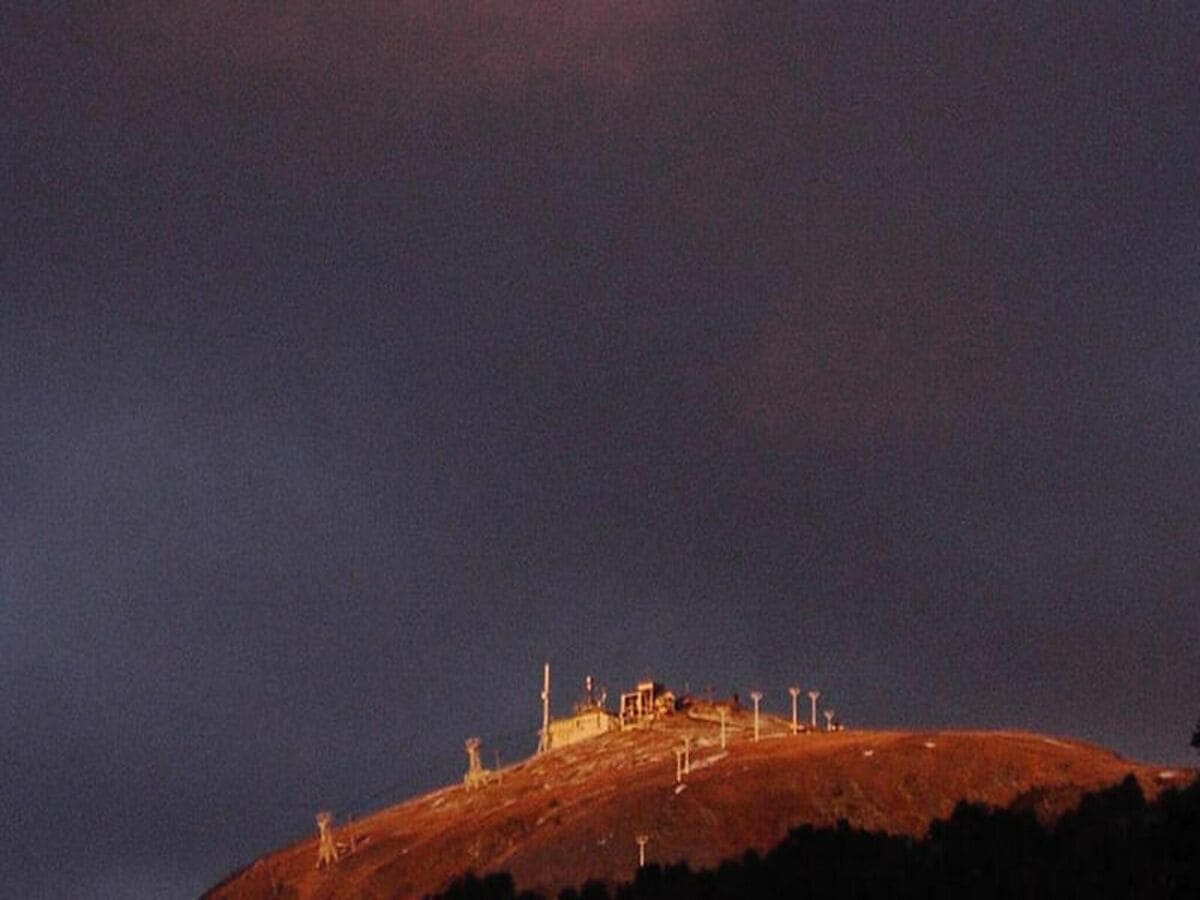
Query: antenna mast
[(544, 742)]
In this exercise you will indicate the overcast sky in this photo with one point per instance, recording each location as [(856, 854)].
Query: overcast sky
[(355, 359)]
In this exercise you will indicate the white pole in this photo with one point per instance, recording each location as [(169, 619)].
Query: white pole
[(795, 692), (722, 728), (544, 743), (813, 695), (756, 696)]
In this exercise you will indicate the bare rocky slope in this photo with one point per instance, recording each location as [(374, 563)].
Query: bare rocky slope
[(572, 814)]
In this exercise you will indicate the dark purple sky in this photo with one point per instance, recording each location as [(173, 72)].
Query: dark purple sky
[(353, 363)]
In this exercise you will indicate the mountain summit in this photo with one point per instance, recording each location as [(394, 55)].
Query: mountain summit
[(668, 789)]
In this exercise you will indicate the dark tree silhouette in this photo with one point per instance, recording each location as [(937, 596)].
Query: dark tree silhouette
[(498, 886)]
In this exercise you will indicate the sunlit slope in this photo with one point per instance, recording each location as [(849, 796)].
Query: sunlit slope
[(572, 814)]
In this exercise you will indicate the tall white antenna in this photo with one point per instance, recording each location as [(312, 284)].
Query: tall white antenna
[(642, 840), (756, 696), (795, 692), (813, 695), (544, 742)]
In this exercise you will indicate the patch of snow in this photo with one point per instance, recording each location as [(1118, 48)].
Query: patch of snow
[(1167, 775), (929, 745), (868, 753), (1054, 743), (680, 788)]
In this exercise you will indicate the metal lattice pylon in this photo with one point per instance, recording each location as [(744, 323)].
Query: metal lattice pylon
[(327, 853), (477, 775)]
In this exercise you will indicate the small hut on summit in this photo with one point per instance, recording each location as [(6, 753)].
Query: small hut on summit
[(579, 726), (588, 719)]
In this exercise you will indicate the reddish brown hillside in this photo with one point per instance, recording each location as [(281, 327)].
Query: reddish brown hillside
[(572, 814)]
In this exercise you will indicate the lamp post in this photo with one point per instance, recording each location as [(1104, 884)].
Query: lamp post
[(756, 696), (813, 695), (795, 692)]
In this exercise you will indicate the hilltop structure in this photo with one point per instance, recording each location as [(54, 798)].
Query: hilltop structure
[(645, 703), (588, 719), (583, 723), (591, 718)]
